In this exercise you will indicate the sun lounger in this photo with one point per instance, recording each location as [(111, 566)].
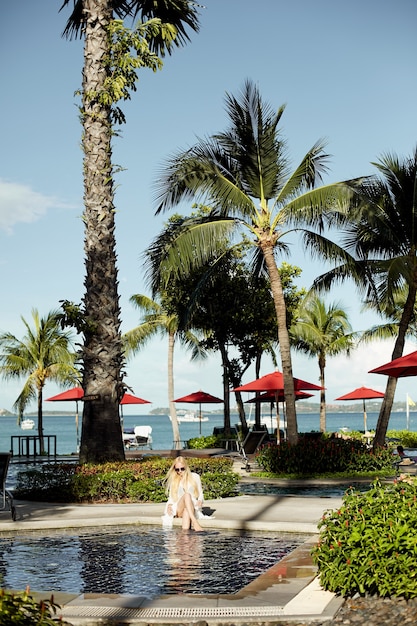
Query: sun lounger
[(248, 446), (143, 437)]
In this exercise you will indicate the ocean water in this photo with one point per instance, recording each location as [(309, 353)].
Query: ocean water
[(65, 429)]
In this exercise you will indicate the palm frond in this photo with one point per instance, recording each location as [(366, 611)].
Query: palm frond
[(307, 174), (203, 173), (328, 204), (380, 333), (182, 14), (189, 244)]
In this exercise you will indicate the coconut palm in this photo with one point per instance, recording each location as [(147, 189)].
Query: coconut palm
[(245, 178), (42, 354), (322, 331), (157, 319), (109, 74), (382, 236)]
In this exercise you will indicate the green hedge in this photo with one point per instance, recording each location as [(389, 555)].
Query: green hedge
[(322, 455), (369, 545), (131, 481)]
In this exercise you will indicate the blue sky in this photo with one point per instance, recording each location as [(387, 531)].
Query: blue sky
[(345, 70)]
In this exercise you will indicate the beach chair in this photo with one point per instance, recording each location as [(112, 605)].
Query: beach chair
[(250, 444), (143, 437), (7, 497)]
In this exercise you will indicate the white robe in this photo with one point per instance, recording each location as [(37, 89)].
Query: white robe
[(181, 492)]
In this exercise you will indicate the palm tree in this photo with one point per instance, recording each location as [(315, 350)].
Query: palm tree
[(382, 237), (109, 74), (158, 319), (244, 175), (322, 331), (43, 354)]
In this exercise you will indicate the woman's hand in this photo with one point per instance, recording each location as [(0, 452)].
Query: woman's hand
[(169, 509)]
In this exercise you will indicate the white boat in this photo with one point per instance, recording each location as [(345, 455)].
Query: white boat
[(188, 417), (27, 424)]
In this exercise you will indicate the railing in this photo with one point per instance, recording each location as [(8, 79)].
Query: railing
[(30, 445)]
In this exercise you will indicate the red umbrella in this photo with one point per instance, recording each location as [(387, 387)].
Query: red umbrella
[(362, 393), (274, 382), (76, 393), (129, 399), (199, 397), (399, 368)]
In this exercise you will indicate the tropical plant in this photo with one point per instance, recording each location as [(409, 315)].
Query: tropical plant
[(367, 546), (112, 55), (132, 481), (243, 175), (318, 455), (234, 312), (42, 354), (22, 609), (159, 319), (322, 331), (381, 236)]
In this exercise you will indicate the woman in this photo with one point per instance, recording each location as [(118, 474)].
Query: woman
[(185, 494)]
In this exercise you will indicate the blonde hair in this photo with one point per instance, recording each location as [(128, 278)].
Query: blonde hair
[(173, 479)]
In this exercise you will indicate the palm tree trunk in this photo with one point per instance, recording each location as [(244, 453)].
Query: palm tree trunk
[(386, 407), (172, 407), (40, 422), (258, 404), (101, 438), (226, 389), (322, 365), (283, 338)]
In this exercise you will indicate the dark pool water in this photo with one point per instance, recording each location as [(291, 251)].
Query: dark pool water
[(144, 560), (316, 491)]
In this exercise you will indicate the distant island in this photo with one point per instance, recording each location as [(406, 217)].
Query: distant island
[(303, 408), (307, 407)]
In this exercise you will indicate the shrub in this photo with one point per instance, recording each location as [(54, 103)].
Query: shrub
[(208, 441), (406, 438), (368, 546), (130, 481), (21, 608), (321, 455)]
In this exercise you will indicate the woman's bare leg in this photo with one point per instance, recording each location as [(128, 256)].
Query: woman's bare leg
[(185, 510)]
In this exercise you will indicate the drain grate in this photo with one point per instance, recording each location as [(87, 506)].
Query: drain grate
[(127, 613)]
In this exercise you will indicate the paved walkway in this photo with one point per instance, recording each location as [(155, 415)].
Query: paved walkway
[(288, 591)]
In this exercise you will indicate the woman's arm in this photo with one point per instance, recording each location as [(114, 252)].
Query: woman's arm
[(200, 494)]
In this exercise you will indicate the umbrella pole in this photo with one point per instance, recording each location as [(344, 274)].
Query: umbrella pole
[(278, 429), (364, 416)]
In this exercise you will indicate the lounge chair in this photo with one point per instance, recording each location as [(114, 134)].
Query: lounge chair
[(143, 437), (7, 497), (248, 446)]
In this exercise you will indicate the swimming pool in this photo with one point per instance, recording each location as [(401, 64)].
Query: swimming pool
[(149, 561), (324, 490)]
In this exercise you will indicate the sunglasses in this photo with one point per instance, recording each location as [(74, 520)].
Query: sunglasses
[(179, 469)]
